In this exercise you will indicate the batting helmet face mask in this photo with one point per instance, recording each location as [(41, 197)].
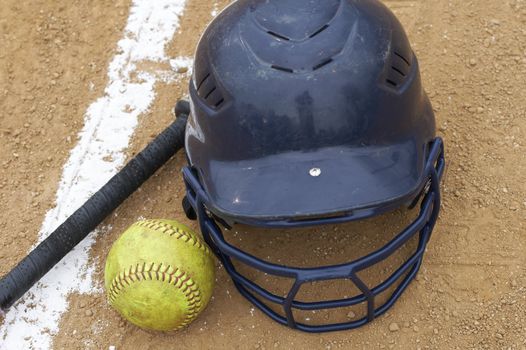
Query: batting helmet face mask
[(310, 113)]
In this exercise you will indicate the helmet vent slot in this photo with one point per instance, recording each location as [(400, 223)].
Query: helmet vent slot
[(219, 103), (403, 58), (399, 70), (390, 82), (319, 31), (322, 64), (203, 81), (209, 91), (279, 36), (283, 69)]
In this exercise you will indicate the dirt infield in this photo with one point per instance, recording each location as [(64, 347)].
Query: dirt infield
[(471, 291)]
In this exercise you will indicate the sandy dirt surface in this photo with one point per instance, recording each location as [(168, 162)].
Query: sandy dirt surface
[(471, 292)]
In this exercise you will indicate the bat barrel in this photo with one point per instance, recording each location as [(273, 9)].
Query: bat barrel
[(70, 233)]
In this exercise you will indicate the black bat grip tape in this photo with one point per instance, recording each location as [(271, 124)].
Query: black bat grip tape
[(48, 253)]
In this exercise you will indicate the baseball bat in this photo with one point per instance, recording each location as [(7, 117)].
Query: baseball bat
[(59, 243)]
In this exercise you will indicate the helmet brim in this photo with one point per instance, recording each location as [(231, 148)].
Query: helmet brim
[(319, 183)]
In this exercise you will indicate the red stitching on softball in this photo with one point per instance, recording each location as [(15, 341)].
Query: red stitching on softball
[(188, 287), (181, 234)]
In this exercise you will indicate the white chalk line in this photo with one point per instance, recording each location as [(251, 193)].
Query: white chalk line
[(108, 126)]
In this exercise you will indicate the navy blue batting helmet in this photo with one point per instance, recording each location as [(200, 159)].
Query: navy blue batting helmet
[(307, 112)]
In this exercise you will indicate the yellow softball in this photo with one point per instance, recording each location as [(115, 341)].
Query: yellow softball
[(159, 275)]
